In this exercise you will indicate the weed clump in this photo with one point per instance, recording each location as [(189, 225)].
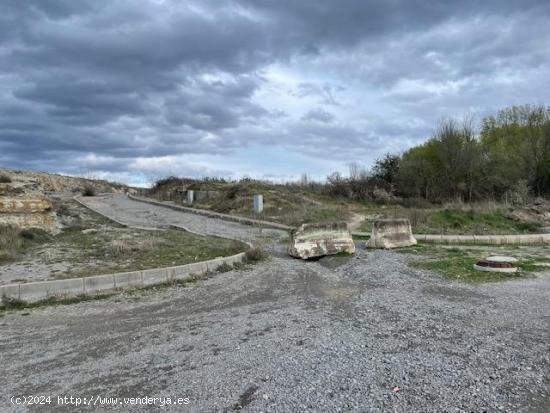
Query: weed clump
[(5, 179), (9, 303), (34, 234), (89, 191), (9, 238), (255, 254)]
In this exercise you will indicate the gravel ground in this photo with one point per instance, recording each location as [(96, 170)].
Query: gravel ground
[(363, 334)]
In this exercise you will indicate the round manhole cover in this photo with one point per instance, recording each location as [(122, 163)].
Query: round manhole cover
[(497, 264)]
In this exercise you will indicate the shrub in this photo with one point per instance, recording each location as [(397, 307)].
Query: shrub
[(88, 191), (36, 234), (8, 303), (255, 254), (518, 194), (225, 267), (171, 180), (9, 238), (5, 179)]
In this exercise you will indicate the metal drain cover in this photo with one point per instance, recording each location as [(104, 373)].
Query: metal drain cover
[(497, 264)]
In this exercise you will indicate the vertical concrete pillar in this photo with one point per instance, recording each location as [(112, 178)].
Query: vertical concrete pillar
[(258, 203), (190, 196)]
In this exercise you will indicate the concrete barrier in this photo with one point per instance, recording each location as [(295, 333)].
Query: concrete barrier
[(316, 240), (391, 233)]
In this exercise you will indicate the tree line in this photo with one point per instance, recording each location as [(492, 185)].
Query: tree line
[(507, 158)]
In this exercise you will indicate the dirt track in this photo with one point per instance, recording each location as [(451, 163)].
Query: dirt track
[(365, 334)]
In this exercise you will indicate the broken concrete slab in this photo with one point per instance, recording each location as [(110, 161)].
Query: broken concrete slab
[(391, 233), (317, 240)]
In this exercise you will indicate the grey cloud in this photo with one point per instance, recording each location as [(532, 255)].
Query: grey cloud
[(319, 115), (325, 92), (148, 79)]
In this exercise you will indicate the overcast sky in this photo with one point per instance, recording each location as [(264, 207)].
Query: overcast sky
[(135, 90)]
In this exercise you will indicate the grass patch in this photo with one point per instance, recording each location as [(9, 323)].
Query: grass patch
[(11, 304), (127, 249), (5, 179), (342, 254), (457, 263), (14, 241), (455, 221)]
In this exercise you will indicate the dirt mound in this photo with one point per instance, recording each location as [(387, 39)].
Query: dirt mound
[(32, 182), (24, 201), (537, 213)]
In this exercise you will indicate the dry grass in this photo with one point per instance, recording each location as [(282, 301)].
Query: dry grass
[(255, 254), (124, 246), (9, 238), (10, 242)]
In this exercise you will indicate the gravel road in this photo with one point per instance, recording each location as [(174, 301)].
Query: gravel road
[(363, 334)]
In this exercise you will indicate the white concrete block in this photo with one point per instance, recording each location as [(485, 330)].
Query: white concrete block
[(258, 203), (155, 276), (127, 279), (99, 283)]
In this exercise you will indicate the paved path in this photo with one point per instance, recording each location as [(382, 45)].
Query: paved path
[(125, 210), (361, 334)]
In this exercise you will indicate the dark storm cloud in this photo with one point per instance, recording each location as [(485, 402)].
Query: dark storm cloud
[(138, 80)]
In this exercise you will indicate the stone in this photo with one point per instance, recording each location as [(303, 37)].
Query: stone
[(317, 240), (258, 203), (391, 233), (24, 205)]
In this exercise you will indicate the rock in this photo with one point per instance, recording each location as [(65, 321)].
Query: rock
[(317, 240), (391, 233), (24, 205), (32, 211)]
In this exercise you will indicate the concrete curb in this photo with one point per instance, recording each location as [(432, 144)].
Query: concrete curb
[(212, 214), (41, 290), (525, 239)]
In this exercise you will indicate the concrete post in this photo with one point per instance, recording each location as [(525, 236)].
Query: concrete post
[(190, 196), (258, 203)]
